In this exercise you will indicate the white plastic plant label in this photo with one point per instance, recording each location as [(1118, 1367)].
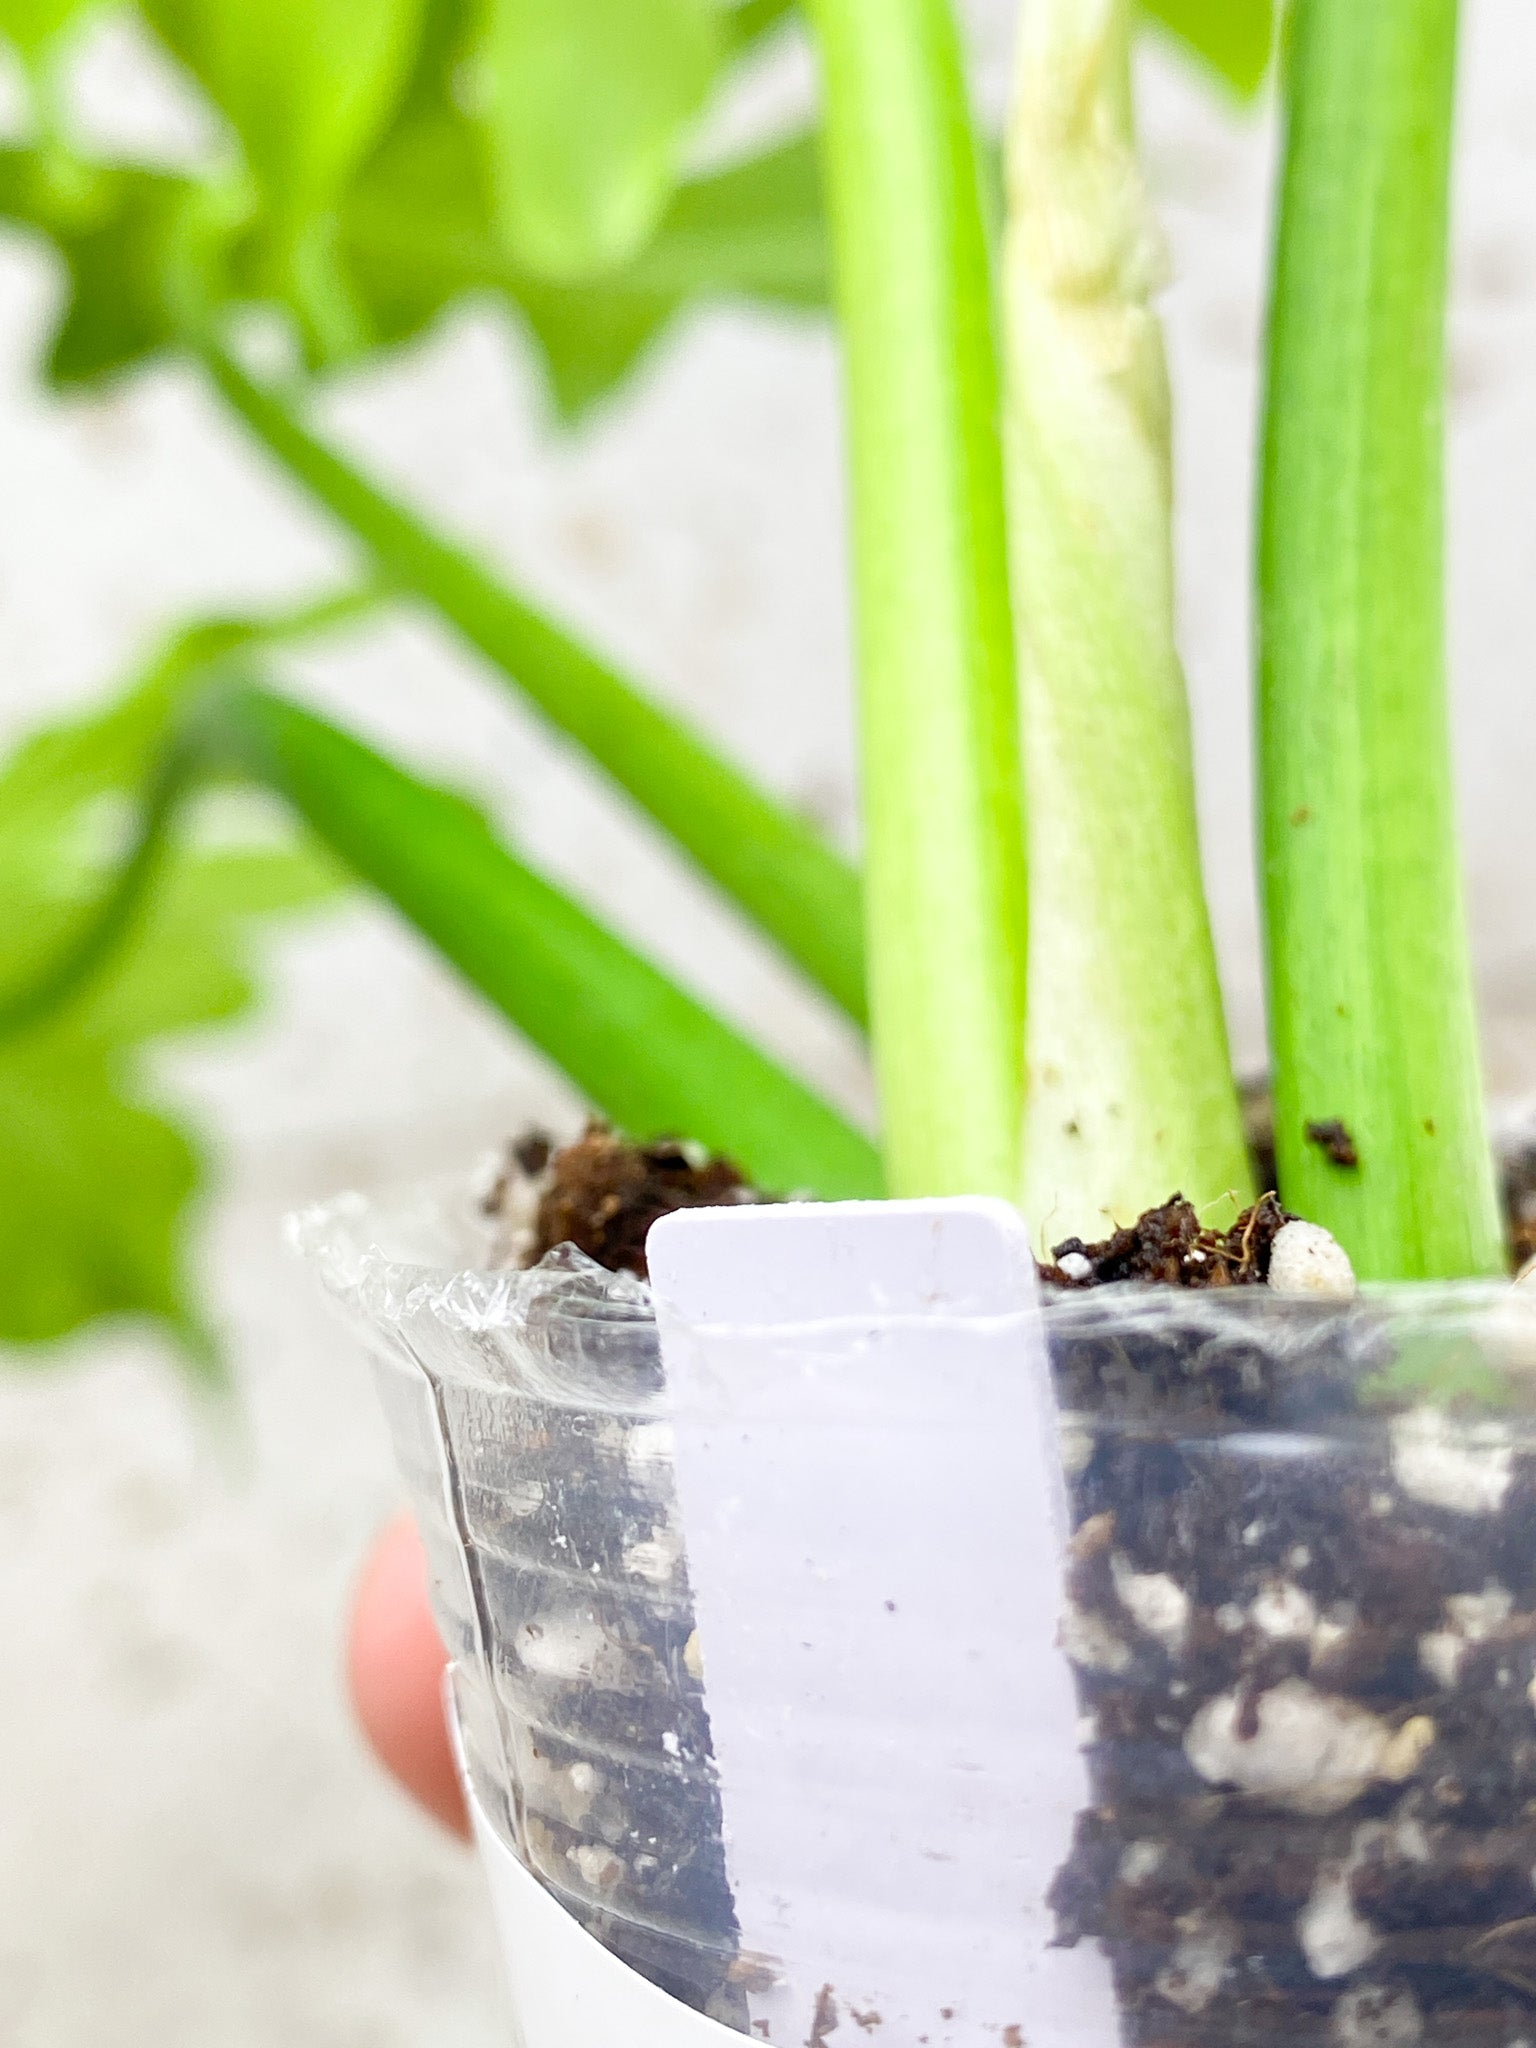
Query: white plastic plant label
[(871, 1492)]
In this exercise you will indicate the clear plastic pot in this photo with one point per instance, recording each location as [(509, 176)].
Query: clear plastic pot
[(1300, 1617)]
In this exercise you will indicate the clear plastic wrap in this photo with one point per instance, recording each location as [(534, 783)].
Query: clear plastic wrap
[(1300, 1616)]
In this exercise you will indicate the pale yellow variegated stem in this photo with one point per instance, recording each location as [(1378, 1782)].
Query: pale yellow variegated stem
[(1129, 1085)]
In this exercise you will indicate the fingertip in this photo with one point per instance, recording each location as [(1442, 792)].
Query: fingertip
[(395, 1667)]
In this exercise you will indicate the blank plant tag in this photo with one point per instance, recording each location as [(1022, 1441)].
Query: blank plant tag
[(874, 1514)]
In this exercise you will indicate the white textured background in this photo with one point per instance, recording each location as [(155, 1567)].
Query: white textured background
[(192, 1848)]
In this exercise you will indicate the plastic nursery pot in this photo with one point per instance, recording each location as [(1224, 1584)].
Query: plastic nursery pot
[(1221, 1728)]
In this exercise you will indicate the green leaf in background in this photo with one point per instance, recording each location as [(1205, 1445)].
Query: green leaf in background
[(753, 231), (1233, 38), (639, 1047), (122, 275), (97, 1181), (122, 234), (749, 22), (588, 105), (416, 233), (94, 1194), (33, 25), (307, 85)]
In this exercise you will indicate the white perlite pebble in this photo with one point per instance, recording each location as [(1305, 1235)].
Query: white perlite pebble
[(1440, 1655), (649, 1447), (1306, 1259), (1284, 1611), (656, 1558), (1076, 1267), (572, 1649), (1464, 1467), (1091, 1644), (1192, 1976), (1076, 1449), (1407, 1750), (1375, 2017), (1157, 1604), (1310, 1753), (1141, 1861), (1479, 1615), (598, 1865), (1333, 1937)]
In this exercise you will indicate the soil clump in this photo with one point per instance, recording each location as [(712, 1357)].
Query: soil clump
[(603, 1193)]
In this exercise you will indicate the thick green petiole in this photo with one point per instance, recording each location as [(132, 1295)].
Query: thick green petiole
[(944, 856), (1370, 988), (794, 886), (1129, 1091)]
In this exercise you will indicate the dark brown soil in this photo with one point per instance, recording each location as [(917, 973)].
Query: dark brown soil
[(1332, 1136), (1303, 1569), (1171, 1247), (1520, 1201), (602, 1193)]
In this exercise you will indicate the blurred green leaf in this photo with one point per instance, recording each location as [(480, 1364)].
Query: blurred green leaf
[(32, 25), (307, 87), (588, 106), (752, 231), (94, 1192), (118, 312), (125, 236), (750, 21), (1233, 38), (416, 234), (97, 1181), (640, 1048)]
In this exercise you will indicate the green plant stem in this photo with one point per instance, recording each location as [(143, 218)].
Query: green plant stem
[(944, 859), (644, 1051), (1370, 986), (793, 886), (1129, 1078)]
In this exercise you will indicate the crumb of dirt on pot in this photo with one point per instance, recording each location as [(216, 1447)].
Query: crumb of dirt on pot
[(1013, 2037), (1170, 1246), (602, 1193), (824, 2020), (1332, 1136), (869, 2021), (753, 1973), (1306, 1259)]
